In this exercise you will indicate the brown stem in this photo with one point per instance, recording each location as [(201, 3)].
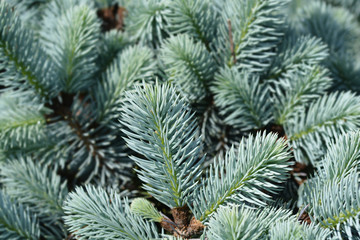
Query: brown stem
[(231, 42), (181, 216), (184, 225), (62, 111), (112, 17), (168, 225)]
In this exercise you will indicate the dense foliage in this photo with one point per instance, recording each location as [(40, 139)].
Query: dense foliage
[(179, 119)]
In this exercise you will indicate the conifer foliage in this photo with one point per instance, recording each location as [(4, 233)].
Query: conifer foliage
[(179, 119)]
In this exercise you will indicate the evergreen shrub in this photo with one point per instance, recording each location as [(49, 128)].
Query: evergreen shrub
[(179, 119)]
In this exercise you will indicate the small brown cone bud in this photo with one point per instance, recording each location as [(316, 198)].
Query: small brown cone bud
[(181, 216)]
